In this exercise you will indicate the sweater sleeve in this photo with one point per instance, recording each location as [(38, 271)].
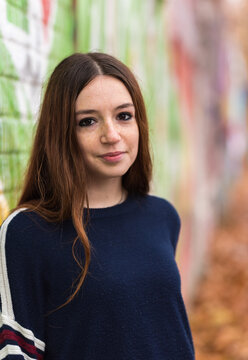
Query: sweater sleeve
[(176, 227), (174, 223), (21, 315)]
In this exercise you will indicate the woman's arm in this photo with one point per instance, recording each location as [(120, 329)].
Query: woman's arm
[(21, 311)]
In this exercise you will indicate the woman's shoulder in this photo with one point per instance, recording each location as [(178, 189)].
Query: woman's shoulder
[(23, 219), (160, 203), (157, 200), (161, 208), (23, 224), (14, 221)]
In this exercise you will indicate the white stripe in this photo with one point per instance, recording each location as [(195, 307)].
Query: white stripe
[(28, 334), (13, 350), (7, 308)]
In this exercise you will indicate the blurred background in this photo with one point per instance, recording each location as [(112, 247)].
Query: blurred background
[(191, 59)]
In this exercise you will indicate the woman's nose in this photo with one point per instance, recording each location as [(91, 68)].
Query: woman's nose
[(110, 133)]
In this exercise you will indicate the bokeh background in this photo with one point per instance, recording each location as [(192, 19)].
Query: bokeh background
[(190, 58)]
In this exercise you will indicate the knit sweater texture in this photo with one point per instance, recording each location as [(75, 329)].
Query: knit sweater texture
[(130, 306)]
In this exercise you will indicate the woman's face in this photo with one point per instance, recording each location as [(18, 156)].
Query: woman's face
[(107, 130)]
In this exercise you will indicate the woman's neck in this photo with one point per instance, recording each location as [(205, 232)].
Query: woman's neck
[(106, 193)]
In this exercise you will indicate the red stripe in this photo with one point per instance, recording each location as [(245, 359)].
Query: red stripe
[(11, 335)]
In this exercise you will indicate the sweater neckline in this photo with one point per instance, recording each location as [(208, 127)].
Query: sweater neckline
[(129, 204)]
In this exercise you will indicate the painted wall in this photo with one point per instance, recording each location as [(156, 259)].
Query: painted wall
[(212, 91), (34, 35)]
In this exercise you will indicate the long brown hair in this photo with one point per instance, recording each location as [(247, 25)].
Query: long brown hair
[(55, 182)]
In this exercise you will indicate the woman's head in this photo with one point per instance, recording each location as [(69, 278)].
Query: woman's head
[(57, 118)]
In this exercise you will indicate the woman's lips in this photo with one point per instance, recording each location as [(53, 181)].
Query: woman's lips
[(113, 156)]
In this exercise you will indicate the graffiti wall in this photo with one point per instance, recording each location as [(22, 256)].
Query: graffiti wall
[(212, 91), (33, 37)]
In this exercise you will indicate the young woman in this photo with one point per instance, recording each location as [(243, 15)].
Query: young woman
[(87, 267)]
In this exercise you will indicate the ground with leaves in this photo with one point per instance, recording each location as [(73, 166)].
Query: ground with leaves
[(219, 317)]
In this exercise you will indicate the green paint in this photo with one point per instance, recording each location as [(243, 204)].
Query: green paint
[(14, 134), (62, 42), (102, 10), (22, 4), (17, 13), (83, 25), (8, 78), (174, 127), (6, 65), (8, 102), (5, 175)]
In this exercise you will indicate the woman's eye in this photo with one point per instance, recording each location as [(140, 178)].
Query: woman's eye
[(86, 122), (124, 116)]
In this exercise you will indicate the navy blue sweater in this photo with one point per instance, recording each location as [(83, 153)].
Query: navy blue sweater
[(130, 306)]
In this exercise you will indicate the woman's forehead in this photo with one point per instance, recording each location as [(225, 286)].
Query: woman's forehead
[(103, 90)]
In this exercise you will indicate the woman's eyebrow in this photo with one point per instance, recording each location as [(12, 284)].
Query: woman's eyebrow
[(92, 111), (122, 106)]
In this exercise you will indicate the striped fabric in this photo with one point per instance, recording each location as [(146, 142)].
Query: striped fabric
[(16, 342)]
